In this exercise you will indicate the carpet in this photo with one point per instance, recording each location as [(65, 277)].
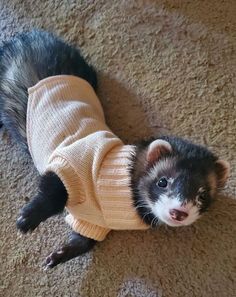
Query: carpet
[(163, 67)]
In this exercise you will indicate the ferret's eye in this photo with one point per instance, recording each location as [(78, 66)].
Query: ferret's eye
[(162, 183), (202, 196)]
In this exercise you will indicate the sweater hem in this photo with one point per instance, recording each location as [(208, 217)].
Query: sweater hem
[(86, 229), (74, 80)]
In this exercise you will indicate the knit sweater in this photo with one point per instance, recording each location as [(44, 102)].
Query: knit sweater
[(67, 134)]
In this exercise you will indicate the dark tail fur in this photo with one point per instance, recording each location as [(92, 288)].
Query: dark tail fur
[(26, 59)]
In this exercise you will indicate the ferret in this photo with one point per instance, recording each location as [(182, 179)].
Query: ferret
[(172, 181)]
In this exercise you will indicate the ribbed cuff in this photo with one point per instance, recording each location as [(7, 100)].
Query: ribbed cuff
[(86, 229), (69, 178), (114, 191)]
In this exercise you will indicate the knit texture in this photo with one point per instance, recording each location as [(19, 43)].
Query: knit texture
[(67, 134)]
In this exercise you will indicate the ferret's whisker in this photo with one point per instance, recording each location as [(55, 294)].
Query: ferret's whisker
[(141, 206)]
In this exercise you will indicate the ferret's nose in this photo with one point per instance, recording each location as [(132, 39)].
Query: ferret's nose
[(178, 215)]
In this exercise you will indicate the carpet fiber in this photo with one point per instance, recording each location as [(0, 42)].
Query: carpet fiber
[(163, 67)]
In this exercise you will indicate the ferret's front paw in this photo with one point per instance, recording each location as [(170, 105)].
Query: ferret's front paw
[(76, 246), (57, 257), (28, 220)]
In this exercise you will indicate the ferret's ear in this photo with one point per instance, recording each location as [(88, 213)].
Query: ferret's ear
[(222, 171), (157, 149)]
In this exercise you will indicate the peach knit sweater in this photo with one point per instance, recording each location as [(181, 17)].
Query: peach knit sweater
[(67, 134)]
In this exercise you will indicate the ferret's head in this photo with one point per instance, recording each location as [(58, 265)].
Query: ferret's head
[(174, 181)]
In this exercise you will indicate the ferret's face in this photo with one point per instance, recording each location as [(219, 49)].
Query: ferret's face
[(177, 193), (177, 188)]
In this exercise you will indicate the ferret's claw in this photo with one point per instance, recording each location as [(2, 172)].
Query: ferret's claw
[(55, 258)]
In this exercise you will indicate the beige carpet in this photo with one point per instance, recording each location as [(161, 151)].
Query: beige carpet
[(164, 66)]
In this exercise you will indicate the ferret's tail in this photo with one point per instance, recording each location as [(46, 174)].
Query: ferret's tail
[(27, 59), (15, 77)]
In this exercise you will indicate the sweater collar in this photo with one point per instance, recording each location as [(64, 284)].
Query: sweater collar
[(113, 190)]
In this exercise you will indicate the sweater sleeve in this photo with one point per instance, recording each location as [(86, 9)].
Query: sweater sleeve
[(76, 195)]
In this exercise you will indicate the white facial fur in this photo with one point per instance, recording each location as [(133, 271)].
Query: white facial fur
[(161, 209)]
